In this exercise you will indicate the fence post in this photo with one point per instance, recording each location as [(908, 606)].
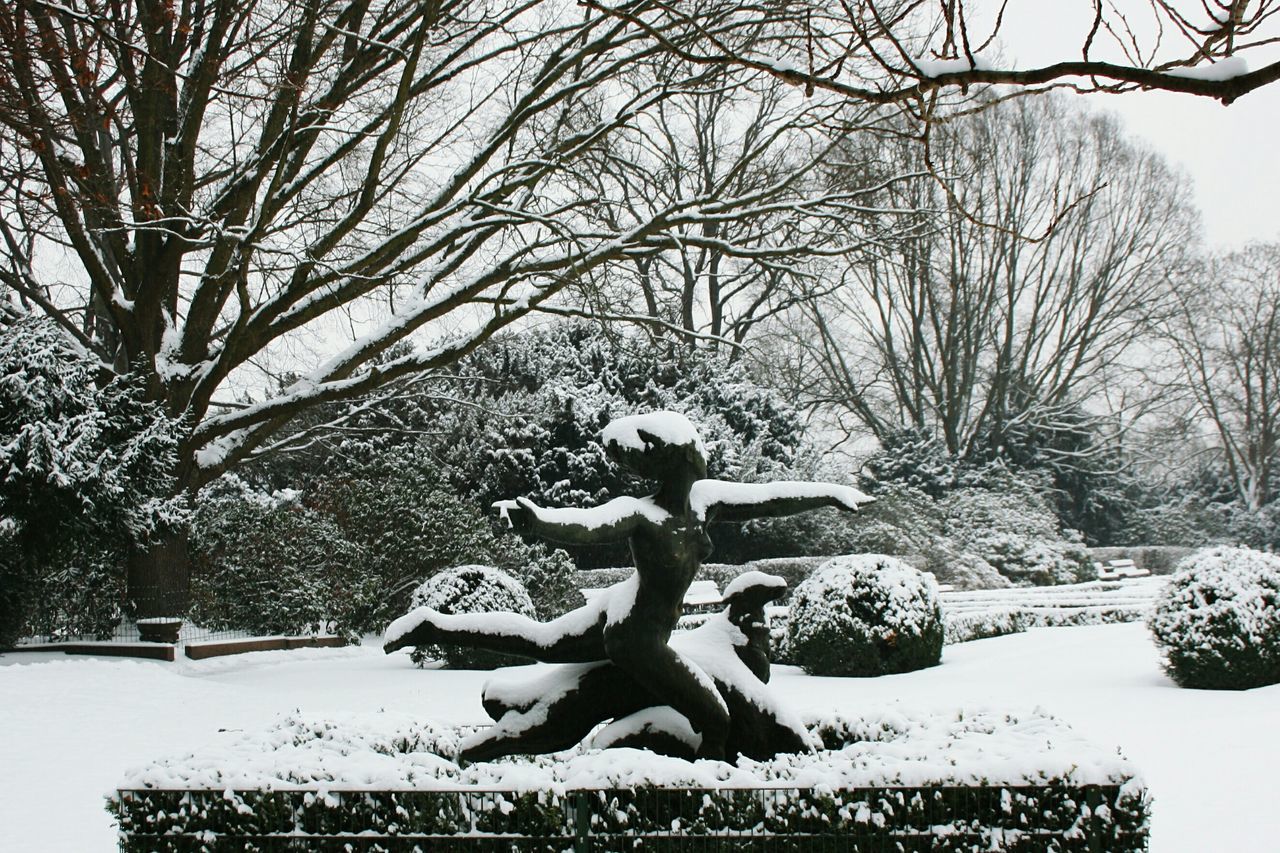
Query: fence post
[(1094, 797), (581, 823)]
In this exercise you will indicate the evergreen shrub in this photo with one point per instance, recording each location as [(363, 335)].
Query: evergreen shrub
[(471, 589), (84, 477), (1217, 621), (1015, 531), (868, 614), (275, 568)]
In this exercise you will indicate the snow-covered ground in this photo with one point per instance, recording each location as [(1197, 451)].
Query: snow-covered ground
[(70, 726)]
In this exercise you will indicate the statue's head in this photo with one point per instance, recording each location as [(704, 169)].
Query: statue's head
[(656, 446)]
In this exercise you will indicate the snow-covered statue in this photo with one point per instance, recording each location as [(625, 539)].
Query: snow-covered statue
[(701, 694)]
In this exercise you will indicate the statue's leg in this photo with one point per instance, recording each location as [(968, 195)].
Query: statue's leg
[(576, 637), (671, 680), (562, 718)]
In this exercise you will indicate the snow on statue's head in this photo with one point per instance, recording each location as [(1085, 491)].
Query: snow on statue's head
[(656, 445)]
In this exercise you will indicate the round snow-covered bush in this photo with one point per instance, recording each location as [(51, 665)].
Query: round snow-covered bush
[(868, 614), (1217, 621), (471, 589)]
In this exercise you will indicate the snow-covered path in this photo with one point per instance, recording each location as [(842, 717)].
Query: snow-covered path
[(70, 726)]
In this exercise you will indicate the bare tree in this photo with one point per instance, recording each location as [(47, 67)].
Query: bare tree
[(1226, 338), (1010, 307), (191, 189), (908, 51), (718, 279)]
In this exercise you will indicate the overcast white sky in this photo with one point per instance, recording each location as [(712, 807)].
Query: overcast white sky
[(1232, 152)]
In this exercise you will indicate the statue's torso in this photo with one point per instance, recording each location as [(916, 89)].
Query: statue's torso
[(667, 557)]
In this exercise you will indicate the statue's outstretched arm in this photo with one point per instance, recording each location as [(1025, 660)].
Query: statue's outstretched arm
[(719, 500), (610, 522)]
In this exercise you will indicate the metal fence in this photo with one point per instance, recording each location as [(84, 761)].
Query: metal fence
[(66, 619), (1089, 819)]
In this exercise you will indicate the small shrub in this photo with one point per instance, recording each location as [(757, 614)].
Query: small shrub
[(1217, 621), (471, 589), (865, 615)]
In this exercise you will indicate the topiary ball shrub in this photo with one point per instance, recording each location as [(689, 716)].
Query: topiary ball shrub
[(868, 614), (471, 589), (1217, 621)]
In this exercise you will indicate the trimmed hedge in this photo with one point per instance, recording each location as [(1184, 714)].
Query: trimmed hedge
[(1054, 816), (1218, 620), (966, 779), (964, 627)]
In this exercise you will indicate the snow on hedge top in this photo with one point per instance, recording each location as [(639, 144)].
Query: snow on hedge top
[(671, 428), (397, 751), (845, 589), (708, 493), (1217, 590)]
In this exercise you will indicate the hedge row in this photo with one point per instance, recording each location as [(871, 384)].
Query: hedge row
[(972, 778), (1055, 816), (791, 569), (975, 625)]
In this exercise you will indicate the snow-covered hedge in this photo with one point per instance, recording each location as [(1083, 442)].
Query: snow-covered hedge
[(970, 779), (1218, 620), (471, 589), (976, 614), (963, 627), (868, 614)]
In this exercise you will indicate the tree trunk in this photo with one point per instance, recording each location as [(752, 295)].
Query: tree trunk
[(158, 579)]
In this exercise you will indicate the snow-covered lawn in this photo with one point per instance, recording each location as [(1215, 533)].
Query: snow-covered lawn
[(69, 727)]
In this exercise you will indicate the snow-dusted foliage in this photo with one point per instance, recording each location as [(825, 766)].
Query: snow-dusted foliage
[(1016, 532), (1217, 621), (392, 523), (276, 568), (545, 395), (971, 537), (981, 625), (399, 508), (965, 570), (83, 477), (919, 461), (471, 589), (868, 614), (384, 750)]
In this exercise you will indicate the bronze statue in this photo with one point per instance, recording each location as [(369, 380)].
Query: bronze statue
[(620, 643)]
